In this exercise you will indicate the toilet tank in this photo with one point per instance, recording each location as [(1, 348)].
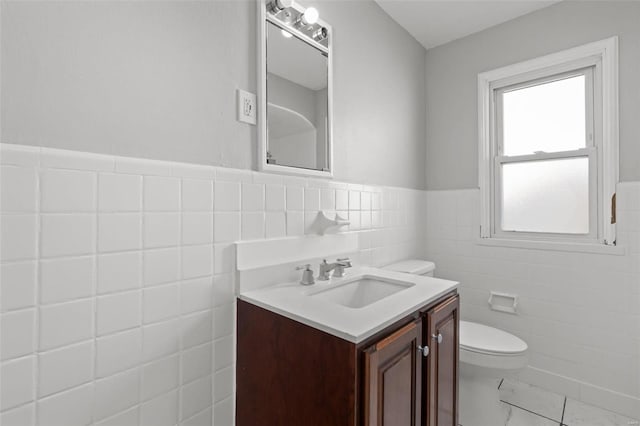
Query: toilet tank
[(413, 266)]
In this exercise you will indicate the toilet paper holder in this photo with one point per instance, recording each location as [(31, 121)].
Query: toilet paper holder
[(503, 302)]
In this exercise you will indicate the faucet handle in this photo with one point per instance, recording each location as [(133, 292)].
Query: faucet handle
[(344, 262), (341, 263), (307, 274)]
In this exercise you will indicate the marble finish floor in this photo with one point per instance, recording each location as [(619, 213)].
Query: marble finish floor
[(526, 405)]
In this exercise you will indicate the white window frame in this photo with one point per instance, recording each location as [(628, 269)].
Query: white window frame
[(599, 62)]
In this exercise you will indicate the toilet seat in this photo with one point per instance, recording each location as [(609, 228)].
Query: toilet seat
[(488, 340), (490, 347)]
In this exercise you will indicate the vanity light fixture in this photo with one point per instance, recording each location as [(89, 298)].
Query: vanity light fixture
[(303, 22), (309, 17), (320, 34), (279, 5)]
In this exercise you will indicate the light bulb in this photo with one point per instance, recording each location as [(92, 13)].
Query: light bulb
[(310, 16), (278, 5), (286, 34)]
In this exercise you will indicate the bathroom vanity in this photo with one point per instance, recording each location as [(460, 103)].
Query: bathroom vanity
[(353, 351)]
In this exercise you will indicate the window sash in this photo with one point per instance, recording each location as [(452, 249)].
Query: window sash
[(498, 91), (590, 151), (603, 56), (497, 196)]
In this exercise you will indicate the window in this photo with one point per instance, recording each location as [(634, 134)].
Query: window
[(548, 147)]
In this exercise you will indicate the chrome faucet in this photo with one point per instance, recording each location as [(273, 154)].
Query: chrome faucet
[(338, 268)]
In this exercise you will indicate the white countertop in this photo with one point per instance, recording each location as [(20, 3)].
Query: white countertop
[(294, 301)]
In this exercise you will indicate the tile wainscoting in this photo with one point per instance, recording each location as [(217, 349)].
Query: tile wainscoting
[(118, 294), (118, 290), (579, 312)]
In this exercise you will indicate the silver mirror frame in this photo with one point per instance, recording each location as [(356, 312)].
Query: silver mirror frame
[(263, 18)]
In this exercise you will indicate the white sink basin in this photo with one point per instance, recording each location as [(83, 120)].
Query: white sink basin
[(353, 308), (362, 292)]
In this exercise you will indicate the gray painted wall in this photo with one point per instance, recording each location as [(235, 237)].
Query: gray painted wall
[(379, 104), (158, 79), (143, 79), (452, 69)]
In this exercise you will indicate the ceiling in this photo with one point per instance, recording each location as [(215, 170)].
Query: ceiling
[(436, 22)]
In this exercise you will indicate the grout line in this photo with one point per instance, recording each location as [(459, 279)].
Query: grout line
[(38, 291), (212, 361), (180, 317), (140, 289), (210, 407), (500, 385), (94, 291), (564, 407), (529, 411)]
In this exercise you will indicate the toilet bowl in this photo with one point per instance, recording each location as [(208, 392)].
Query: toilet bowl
[(487, 354)]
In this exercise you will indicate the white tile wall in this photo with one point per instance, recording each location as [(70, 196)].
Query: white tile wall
[(117, 290), (65, 323), (119, 271), (18, 330), (116, 393), (118, 352), (161, 376), (120, 231), (67, 234), (275, 197), (66, 279), (18, 285), (65, 368), (18, 239), (67, 191), (17, 378), (73, 407), (22, 195), (119, 192), (118, 312), (579, 312), (161, 303), (161, 411)]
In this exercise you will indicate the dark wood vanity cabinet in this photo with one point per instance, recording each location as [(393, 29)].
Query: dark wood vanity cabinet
[(393, 378), (441, 377), (291, 374)]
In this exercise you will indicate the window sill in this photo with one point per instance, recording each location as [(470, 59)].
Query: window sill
[(554, 246)]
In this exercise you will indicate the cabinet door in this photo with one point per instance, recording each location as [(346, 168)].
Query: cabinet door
[(392, 379), (442, 334)]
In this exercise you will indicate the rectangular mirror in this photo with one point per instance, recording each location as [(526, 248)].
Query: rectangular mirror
[(295, 101)]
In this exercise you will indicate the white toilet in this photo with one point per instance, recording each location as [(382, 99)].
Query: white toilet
[(486, 355)]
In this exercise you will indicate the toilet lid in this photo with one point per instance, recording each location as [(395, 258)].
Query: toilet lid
[(412, 266), (482, 338)]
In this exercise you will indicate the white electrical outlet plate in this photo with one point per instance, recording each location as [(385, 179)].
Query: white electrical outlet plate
[(246, 104)]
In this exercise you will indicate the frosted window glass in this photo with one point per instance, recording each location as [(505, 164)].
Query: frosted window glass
[(549, 117), (546, 196)]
